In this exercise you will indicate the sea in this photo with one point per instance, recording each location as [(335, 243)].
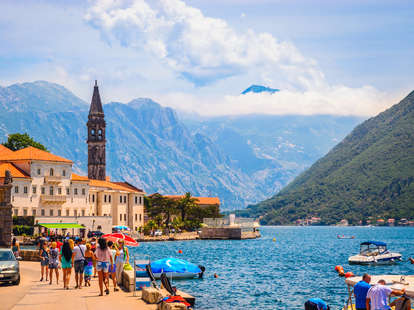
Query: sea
[(283, 268)]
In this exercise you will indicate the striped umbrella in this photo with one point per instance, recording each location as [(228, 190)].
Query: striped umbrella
[(129, 241)]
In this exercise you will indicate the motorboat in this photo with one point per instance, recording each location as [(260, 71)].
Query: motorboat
[(345, 237), (374, 252), (176, 268)]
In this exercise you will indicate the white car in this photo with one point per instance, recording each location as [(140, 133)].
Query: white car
[(157, 233), (9, 267)]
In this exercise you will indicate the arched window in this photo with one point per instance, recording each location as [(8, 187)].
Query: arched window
[(100, 134), (92, 132), (51, 172)]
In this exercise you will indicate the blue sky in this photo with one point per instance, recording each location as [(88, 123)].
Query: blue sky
[(335, 57)]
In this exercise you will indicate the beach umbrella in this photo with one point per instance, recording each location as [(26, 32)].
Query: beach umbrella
[(121, 227), (129, 241)]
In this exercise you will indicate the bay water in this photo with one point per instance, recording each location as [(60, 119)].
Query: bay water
[(281, 274)]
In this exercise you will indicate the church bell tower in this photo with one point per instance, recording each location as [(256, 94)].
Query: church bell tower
[(96, 138)]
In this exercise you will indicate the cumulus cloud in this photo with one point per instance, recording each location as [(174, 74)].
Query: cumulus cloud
[(200, 48)]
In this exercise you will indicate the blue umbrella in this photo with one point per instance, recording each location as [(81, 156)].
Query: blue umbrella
[(121, 227), (176, 265)]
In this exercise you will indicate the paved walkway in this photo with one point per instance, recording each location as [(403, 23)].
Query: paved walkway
[(32, 294)]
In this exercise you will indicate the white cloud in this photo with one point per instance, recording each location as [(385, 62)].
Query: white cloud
[(200, 48)]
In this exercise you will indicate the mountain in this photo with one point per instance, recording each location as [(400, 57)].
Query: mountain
[(243, 160), (369, 174), (259, 89)]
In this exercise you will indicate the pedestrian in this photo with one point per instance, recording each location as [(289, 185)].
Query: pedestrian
[(15, 247), (54, 262), (90, 257), (93, 248), (66, 259), (44, 260), (79, 262), (112, 268), (121, 259), (104, 258), (378, 294), (361, 290)]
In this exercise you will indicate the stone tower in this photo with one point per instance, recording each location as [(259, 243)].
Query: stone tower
[(96, 138)]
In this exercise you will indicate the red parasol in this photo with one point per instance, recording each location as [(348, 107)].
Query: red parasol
[(129, 241)]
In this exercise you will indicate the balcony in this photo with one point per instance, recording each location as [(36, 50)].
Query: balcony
[(53, 179), (53, 199)]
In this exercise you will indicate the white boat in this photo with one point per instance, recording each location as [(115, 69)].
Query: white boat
[(374, 252)]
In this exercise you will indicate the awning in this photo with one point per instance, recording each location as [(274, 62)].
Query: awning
[(61, 225)]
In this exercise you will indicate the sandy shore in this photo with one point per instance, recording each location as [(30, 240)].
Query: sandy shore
[(32, 294)]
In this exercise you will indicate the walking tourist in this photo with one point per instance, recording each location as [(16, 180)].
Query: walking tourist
[(112, 267), (54, 262), (66, 259), (79, 262), (361, 290), (44, 260), (15, 248), (93, 248), (104, 258), (121, 259), (378, 294), (90, 258)]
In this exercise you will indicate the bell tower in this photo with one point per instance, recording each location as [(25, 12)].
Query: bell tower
[(96, 138)]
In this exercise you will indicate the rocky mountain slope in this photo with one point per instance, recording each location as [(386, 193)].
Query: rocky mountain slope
[(242, 160), (369, 174)]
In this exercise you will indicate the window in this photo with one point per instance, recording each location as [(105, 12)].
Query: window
[(34, 188), (104, 198), (34, 212), (15, 212), (51, 191), (24, 212), (120, 217), (140, 219), (140, 200), (51, 172), (120, 199), (25, 189), (39, 172), (43, 190), (59, 191), (93, 132), (83, 192), (59, 212), (67, 191), (136, 200), (51, 212), (125, 217), (83, 212), (16, 189), (100, 134), (124, 199), (93, 198), (42, 212), (75, 212), (75, 191), (67, 212), (63, 172), (109, 196), (136, 217)]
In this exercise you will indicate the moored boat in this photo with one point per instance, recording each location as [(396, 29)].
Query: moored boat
[(176, 268), (374, 252)]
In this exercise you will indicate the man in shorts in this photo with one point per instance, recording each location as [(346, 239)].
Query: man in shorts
[(79, 263)]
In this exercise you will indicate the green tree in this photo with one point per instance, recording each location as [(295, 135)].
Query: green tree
[(185, 204), (158, 205), (18, 141)]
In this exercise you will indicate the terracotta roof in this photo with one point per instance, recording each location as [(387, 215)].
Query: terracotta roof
[(110, 185), (76, 177), (4, 151), (130, 186), (32, 153), (200, 200), (15, 171)]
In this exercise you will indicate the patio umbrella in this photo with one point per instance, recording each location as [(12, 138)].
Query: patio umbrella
[(121, 227), (129, 241)]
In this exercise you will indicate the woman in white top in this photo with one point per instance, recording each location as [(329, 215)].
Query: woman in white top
[(121, 259)]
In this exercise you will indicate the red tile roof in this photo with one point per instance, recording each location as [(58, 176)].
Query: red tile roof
[(14, 171), (200, 200), (31, 153)]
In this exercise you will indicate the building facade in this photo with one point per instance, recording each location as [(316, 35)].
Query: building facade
[(44, 185)]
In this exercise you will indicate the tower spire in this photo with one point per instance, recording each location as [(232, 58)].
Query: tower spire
[(96, 104)]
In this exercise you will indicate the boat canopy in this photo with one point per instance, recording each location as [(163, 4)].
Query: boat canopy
[(377, 243)]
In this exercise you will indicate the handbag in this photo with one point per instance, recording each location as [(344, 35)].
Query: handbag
[(85, 262)]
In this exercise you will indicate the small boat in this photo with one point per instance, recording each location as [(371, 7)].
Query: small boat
[(345, 237), (374, 252), (176, 268)]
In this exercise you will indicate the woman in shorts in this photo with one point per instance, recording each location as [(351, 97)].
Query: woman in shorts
[(54, 262), (90, 258), (103, 258), (66, 259), (44, 260)]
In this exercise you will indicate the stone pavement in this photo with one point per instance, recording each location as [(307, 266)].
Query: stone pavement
[(32, 294)]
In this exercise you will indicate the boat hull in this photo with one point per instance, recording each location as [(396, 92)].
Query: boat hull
[(178, 275), (383, 259)]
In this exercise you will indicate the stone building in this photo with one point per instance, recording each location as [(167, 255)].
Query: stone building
[(44, 185), (5, 208)]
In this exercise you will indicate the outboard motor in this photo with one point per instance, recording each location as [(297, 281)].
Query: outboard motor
[(202, 268)]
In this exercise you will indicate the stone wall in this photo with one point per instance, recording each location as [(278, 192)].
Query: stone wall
[(30, 255), (221, 233), (6, 220)]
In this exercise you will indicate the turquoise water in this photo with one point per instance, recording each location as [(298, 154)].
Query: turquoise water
[(262, 274)]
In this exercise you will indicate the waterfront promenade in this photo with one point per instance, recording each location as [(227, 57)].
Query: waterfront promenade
[(34, 295)]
